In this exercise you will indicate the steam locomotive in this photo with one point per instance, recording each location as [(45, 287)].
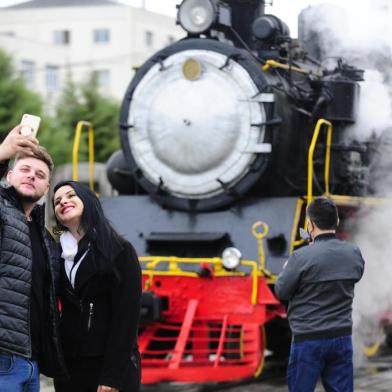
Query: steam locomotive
[(226, 135)]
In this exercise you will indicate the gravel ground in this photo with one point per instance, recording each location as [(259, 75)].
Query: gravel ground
[(381, 382), (373, 376)]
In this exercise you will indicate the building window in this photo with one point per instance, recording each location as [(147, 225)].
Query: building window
[(28, 72), (149, 38), (101, 36), (52, 78), (62, 37), (103, 77)]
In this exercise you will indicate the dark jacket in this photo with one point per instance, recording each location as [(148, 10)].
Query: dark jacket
[(100, 315), (16, 281), (318, 282)]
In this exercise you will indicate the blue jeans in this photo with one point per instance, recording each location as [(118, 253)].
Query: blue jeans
[(330, 359), (18, 374)]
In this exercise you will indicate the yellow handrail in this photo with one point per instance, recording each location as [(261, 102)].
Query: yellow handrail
[(312, 148), (174, 269), (75, 151), (275, 64), (294, 229)]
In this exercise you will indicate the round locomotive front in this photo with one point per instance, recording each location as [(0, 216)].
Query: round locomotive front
[(195, 124)]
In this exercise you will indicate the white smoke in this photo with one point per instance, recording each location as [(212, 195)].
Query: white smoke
[(373, 294), (375, 106), (362, 35)]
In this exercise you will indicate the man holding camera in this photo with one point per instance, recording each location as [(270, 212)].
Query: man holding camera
[(29, 341), (318, 283)]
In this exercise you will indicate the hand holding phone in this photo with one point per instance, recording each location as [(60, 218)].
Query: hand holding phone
[(30, 125), (15, 143)]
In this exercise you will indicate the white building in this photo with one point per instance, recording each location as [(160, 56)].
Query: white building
[(51, 39)]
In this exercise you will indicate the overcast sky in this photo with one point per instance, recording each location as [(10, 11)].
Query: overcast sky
[(285, 9)]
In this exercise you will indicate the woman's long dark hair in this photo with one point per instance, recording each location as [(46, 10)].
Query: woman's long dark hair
[(96, 226)]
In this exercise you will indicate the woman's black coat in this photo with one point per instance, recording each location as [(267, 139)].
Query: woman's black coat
[(100, 315)]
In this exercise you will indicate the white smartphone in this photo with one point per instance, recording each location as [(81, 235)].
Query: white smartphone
[(30, 125)]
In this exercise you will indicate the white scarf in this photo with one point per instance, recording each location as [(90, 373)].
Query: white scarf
[(69, 246)]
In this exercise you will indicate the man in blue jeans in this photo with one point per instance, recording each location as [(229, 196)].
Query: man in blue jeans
[(318, 283)]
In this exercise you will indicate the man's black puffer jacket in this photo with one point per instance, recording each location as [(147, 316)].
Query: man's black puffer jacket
[(15, 285)]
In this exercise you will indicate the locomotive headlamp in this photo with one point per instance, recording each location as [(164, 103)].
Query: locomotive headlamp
[(196, 16), (231, 258)]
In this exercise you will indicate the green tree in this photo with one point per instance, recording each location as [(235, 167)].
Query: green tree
[(78, 102), (15, 97), (56, 140), (85, 102)]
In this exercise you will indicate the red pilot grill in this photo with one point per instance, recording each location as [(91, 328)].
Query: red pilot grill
[(204, 329)]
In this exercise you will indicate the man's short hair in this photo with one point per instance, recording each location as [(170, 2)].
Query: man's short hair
[(323, 212), (41, 154)]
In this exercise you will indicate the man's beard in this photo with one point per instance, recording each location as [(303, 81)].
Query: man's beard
[(27, 198)]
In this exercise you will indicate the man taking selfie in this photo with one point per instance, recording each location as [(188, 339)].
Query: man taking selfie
[(318, 283), (28, 269)]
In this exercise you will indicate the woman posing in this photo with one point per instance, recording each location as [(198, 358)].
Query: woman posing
[(100, 296)]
